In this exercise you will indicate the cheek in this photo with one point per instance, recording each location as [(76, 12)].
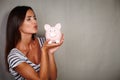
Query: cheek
[(26, 25), (24, 29)]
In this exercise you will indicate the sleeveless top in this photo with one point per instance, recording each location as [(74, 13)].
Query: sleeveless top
[(16, 57)]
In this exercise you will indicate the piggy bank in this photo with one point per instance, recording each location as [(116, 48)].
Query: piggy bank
[(53, 33)]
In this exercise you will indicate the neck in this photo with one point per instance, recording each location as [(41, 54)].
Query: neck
[(26, 39)]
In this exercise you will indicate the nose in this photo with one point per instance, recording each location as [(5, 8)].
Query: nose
[(34, 21)]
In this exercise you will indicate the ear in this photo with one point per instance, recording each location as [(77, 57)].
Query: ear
[(46, 26), (58, 26)]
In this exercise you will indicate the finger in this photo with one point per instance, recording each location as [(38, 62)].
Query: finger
[(62, 37), (53, 45)]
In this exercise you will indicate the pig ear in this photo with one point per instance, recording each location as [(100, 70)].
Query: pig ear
[(58, 26), (46, 26)]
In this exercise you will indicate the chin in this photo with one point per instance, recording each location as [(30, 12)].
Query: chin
[(35, 31)]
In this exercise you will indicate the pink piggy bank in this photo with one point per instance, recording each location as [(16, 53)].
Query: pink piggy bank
[(53, 33)]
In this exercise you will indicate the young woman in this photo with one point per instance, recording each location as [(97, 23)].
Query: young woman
[(28, 57)]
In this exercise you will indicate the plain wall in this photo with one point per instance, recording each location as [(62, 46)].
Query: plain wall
[(91, 50)]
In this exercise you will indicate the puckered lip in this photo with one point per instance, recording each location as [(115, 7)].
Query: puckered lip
[(36, 26)]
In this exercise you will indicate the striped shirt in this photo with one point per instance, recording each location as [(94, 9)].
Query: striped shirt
[(16, 57)]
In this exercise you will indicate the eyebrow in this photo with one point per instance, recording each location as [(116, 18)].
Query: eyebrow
[(30, 16)]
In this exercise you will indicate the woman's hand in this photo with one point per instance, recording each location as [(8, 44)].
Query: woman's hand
[(51, 48)]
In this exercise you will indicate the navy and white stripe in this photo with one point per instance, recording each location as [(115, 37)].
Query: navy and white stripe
[(16, 57), (41, 41)]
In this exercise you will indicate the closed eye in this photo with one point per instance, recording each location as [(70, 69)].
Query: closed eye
[(35, 18), (30, 17)]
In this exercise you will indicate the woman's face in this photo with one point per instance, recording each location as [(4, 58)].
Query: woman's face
[(29, 25)]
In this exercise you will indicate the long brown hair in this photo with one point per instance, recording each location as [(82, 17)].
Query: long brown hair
[(15, 20)]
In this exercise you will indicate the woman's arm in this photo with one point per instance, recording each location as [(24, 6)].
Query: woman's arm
[(52, 63), (44, 65), (26, 71)]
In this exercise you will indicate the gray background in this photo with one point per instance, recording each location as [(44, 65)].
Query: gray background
[(91, 50)]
